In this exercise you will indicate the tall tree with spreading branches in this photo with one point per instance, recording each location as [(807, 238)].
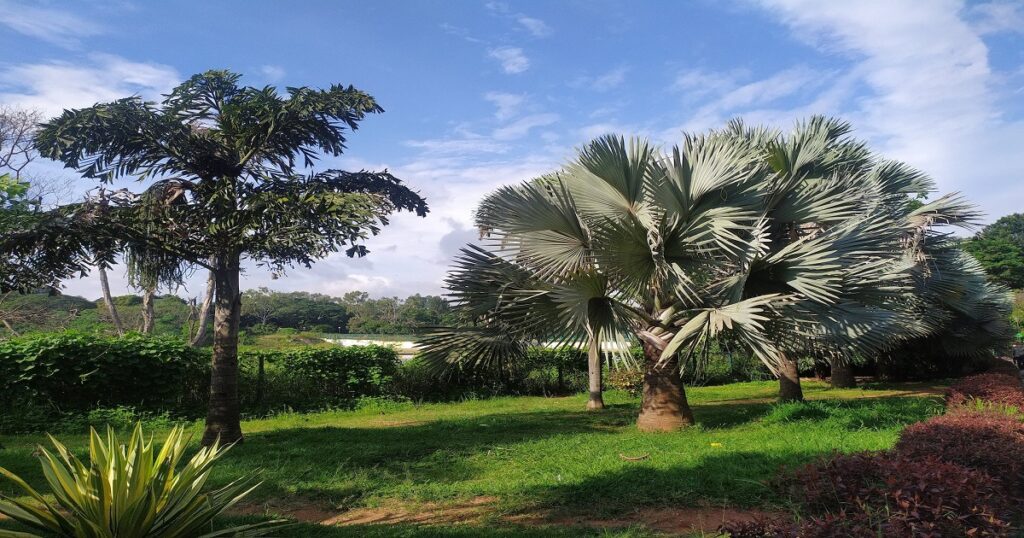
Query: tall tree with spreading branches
[(224, 166)]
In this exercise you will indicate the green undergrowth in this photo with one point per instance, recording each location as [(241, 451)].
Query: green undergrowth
[(545, 454)]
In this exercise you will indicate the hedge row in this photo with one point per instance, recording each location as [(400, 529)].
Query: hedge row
[(67, 376), (73, 371), (957, 474)]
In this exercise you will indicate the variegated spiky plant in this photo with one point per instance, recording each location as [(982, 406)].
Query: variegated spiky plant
[(129, 490), (797, 244)]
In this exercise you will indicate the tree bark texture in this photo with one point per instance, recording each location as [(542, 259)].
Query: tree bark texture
[(108, 300), (596, 399), (842, 375), (204, 313), (789, 381), (223, 418), (664, 407)]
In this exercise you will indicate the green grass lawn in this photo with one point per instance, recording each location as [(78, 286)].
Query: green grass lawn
[(507, 457)]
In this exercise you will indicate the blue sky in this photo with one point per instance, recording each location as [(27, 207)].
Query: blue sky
[(479, 94)]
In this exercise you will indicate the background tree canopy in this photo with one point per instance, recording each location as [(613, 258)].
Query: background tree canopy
[(999, 247)]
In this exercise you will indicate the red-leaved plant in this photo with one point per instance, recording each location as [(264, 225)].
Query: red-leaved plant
[(883, 494), (994, 388), (990, 441)]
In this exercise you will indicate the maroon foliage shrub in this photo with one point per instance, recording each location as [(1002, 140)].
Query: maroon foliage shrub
[(986, 441), (999, 389), (889, 495), (830, 526)]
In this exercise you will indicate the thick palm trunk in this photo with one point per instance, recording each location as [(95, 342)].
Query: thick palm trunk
[(108, 300), (789, 381), (148, 314), (223, 418), (204, 312), (842, 375), (596, 400), (664, 407)]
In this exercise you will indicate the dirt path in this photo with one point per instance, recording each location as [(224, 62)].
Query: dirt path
[(483, 509)]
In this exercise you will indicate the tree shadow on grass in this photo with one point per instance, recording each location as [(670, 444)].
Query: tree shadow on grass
[(734, 479), (308, 460)]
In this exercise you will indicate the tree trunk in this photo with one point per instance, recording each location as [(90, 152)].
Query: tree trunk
[(204, 313), (223, 418), (821, 369), (147, 311), (109, 302), (664, 407), (596, 400), (10, 328), (789, 381), (842, 375)]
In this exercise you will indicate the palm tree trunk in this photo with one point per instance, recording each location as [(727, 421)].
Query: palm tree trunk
[(204, 313), (789, 381), (109, 302), (147, 311), (842, 375), (663, 407), (223, 418), (596, 400)]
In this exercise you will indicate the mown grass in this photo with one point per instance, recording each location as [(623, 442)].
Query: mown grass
[(544, 454)]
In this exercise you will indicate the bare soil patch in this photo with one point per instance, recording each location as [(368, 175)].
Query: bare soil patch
[(670, 521)]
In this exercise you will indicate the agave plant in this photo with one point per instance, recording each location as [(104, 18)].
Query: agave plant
[(128, 490), (794, 243)]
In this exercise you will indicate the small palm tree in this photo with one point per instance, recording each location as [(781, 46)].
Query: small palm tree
[(790, 242)]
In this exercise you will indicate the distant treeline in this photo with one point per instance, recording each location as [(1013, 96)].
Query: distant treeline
[(263, 311)]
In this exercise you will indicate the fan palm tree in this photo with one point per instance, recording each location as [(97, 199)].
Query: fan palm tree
[(790, 242)]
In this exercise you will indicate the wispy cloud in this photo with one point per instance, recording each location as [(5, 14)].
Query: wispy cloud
[(55, 26), (698, 82), (536, 27), (457, 146), (53, 86), (603, 82), (522, 126), (998, 16), (507, 104), (273, 73), (512, 59)]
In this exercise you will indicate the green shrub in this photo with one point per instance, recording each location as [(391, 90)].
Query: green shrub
[(71, 372), (315, 378)]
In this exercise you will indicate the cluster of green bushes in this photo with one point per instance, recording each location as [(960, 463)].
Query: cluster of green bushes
[(70, 380), (306, 379), (957, 474), (46, 376)]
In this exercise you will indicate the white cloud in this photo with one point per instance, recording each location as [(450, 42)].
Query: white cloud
[(512, 59), (273, 73), (522, 126), (53, 86), (52, 25), (507, 103), (536, 27), (931, 97)]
